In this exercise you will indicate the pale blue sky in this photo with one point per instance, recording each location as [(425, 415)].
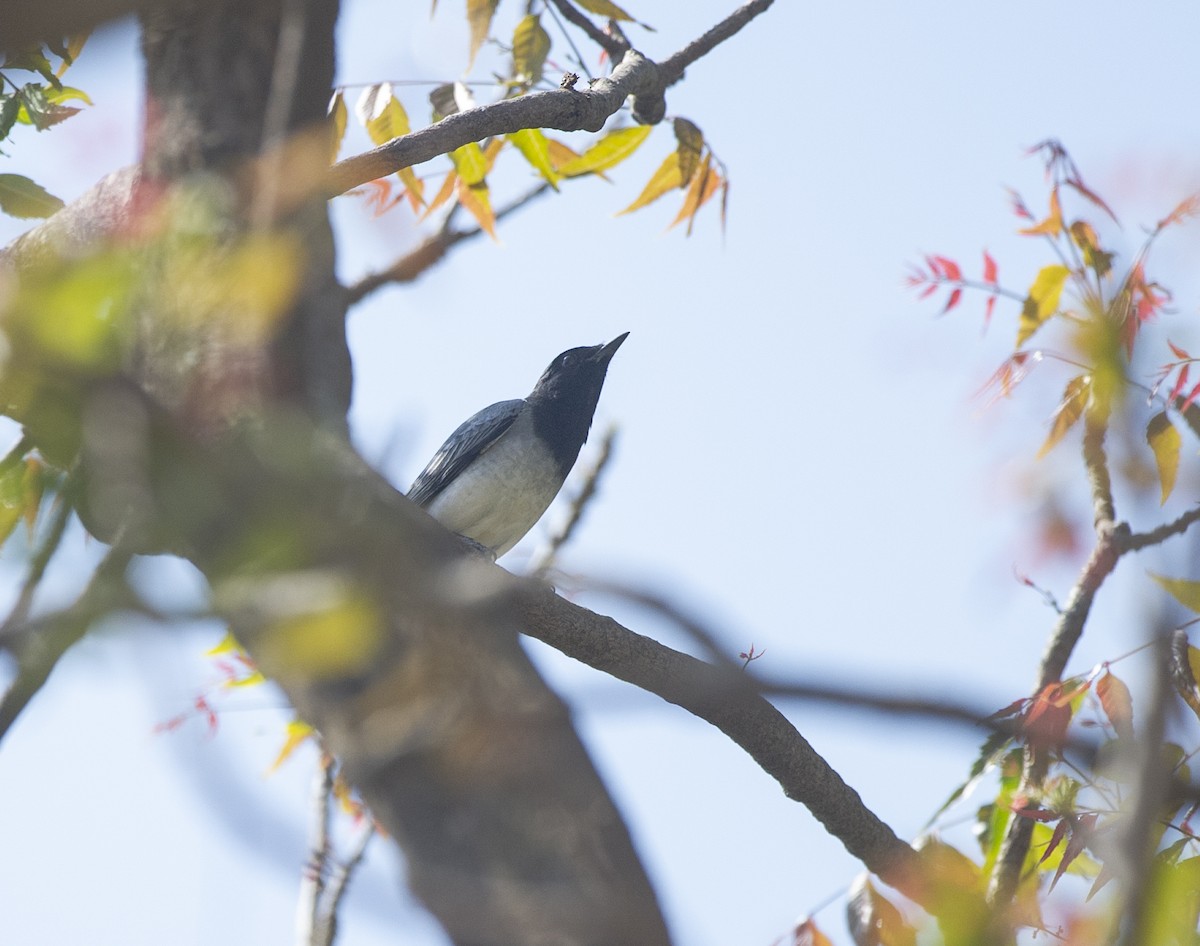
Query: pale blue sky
[(801, 461)]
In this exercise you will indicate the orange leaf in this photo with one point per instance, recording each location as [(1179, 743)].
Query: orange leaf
[(476, 201), (1075, 399), (1052, 226), (665, 179), (1118, 705), (443, 195), (807, 934), (704, 184)]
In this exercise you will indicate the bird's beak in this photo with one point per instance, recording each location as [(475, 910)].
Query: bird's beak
[(604, 355)]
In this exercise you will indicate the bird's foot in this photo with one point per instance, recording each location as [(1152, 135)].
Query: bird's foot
[(476, 547)]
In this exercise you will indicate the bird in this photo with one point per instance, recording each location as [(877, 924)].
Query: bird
[(499, 471)]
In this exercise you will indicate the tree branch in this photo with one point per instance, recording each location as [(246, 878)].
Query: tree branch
[(429, 252), (615, 46), (562, 109), (729, 702)]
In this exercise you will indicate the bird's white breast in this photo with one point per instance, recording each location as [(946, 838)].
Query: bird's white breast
[(503, 493)]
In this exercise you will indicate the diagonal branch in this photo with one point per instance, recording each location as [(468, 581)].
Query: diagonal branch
[(635, 76), (729, 702)]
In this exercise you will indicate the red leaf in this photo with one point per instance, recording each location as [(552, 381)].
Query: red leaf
[(928, 291), (1018, 205), (1047, 718), (1060, 832), (1195, 392), (1117, 703), (987, 312), (1012, 709), (1035, 814), (1081, 833), (955, 298), (1188, 207), (1179, 383), (946, 268), (989, 269), (1077, 183), (1179, 352)]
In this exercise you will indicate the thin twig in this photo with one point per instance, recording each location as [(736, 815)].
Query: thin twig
[(338, 885), (59, 517), (1141, 540), (550, 8), (39, 653), (428, 253), (312, 881), (613, 45), (673, 66)]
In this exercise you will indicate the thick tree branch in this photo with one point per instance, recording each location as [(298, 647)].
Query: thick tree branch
[(730, 703), (562, 109)]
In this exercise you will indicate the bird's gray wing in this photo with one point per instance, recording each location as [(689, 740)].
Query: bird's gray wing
[(474, 436)]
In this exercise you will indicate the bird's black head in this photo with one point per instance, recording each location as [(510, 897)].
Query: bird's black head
[(565, 397)]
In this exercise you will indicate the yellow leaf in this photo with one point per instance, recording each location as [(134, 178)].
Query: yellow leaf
[(609, 151), (470, 163), (536, 150), (479, 16), (1053, 224), (530, 46), (1185, 592), (338, 117), (1042, 301), (691, 144), (604, 8), (298, 733), (665, 179), (476, 201), (382, 114), (494, 147), (444, 194), (1166, 443), (1075, 399), (227, 645)]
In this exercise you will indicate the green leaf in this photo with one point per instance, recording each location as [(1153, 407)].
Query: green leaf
[(530, 46), (1075, 399), (609, 151), (479, 16), (691, 144), (536, 150), (38, 110), (1182, 590), (1042, 301), (67, 93), (10, 108), (21, 197), (1166, 443), (471, 163)]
